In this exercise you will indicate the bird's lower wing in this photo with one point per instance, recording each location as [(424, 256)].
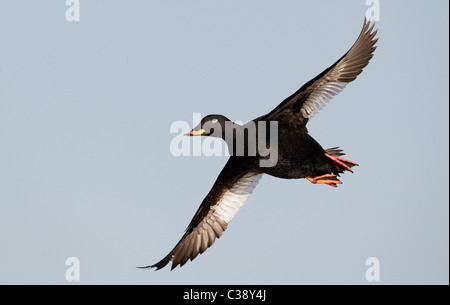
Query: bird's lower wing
[(228, 194)]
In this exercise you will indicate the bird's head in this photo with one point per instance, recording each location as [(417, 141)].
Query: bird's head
[(212, 125)]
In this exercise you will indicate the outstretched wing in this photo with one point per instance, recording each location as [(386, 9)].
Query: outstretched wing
[(227, 196), (316, 93)]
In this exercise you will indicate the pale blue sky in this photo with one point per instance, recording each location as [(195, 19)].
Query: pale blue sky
[(85, 165)]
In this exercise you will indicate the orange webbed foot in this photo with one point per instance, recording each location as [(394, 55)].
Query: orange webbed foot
[(329, 179)]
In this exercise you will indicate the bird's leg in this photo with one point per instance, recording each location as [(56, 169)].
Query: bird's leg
[(329, 179)]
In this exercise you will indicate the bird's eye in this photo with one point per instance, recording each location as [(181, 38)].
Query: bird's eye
[(214, 121)]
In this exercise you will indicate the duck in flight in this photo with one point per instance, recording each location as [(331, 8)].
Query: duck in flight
[(299, 155)]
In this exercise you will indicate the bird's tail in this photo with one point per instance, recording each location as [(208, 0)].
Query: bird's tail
[(341, 164)]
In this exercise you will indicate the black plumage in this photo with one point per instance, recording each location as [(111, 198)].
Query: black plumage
[(298, 154)]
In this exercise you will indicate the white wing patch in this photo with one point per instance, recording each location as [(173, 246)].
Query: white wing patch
[(320, 97), (235, 197)]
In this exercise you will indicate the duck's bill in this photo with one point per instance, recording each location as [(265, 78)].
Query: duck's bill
[(195, 132)]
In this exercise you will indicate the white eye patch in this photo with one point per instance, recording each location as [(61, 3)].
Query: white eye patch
[(214, 121)]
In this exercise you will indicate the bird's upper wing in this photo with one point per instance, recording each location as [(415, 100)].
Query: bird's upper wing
[(228, 194), (316, 93)]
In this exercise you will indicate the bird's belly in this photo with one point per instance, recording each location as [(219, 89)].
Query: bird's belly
[(299, 159), (291, 169)]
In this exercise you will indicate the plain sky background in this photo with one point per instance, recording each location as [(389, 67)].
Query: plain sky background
[(85, 165)]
